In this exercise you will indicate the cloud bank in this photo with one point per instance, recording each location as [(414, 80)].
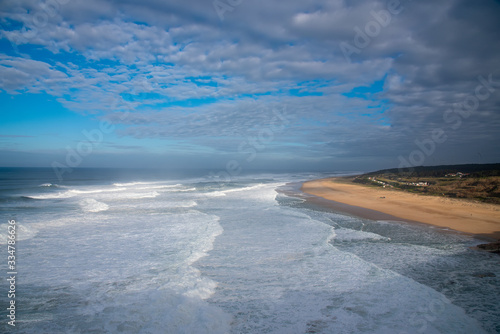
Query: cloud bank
[(361, 82)]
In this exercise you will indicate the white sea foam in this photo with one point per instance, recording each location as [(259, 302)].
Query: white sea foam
[(128, 273), (73, 192), (162, 186), (66, 194), (222, 193), (353, 235), (22, 232), (183, 190), (154, 207), (156, 259), (96, 191), (128, 184), (100, 193), (214, 194), (136, 195), (51, 185), (290, 279), (91, 205), (161, 311)]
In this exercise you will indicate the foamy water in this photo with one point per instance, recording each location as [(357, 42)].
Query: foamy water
[(193, 256)]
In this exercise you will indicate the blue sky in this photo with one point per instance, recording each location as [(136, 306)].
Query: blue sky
[(316, 85)]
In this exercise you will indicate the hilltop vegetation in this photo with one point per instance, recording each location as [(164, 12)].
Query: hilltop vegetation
[(473, 182)]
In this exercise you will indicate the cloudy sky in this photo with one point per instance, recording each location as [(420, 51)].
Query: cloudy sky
[(297, 84)]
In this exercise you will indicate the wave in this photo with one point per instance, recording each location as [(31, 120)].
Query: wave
[(96, 191), (166, 187), (91, 205), (72, 193), (51, 185), (66, 194), (183, 190), (22, 198), (151, 194), (220, 193), (22, 232), (354, 235), (128, 184), (161, 186)]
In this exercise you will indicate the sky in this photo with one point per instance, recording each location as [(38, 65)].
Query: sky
[(236, 85)]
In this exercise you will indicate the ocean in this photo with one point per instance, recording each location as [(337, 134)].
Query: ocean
[(137, 251)]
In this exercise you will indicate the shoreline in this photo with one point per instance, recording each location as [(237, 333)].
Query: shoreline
[(477, 219)]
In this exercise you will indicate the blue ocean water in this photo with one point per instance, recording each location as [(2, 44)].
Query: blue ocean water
[(117, 251)]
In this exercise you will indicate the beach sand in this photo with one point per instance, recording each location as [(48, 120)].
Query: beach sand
[(479, 219)]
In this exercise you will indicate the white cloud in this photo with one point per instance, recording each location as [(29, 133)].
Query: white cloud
[(154, 58)]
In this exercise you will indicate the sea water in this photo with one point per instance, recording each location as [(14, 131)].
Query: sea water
[(108, 251)]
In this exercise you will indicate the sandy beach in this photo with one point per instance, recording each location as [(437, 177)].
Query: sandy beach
[(479, 219)]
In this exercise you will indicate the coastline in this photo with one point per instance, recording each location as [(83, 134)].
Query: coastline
[(478, 219)]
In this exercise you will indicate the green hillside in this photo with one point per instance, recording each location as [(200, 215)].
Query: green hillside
[(473, 182)]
